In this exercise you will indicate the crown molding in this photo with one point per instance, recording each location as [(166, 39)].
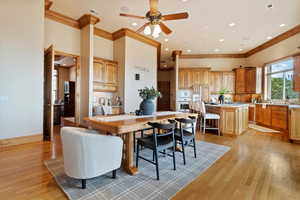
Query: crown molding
[(197, 56), (87, 19), (63, 19), (130, 33), (261, 47), (275, 40), (102, 33)]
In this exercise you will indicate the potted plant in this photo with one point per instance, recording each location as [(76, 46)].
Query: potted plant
[(221, 95), (148, 95)]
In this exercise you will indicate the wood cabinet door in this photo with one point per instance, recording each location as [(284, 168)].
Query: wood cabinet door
[(294, 124), (279, 117), (240, 82), (296, 79), (251, 81), (266, 116), (258, 114), (251, 113), (99, 72), (216, 81), (180, 79), (111, 73), (229, 81)]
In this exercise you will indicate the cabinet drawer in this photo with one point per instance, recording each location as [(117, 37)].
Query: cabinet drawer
[(279, 108)]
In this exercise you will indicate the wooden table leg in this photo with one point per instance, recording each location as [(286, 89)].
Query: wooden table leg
[(128, 157)]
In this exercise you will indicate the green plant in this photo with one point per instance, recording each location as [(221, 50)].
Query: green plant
[(223, 91), (149, 93)]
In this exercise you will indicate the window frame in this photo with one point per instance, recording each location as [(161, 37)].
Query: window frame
[(268, 74)]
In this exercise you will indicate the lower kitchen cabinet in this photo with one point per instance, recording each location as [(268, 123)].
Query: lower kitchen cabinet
[(272, 116), (294, 124)]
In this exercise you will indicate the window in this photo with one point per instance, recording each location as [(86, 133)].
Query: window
[(279, 77)]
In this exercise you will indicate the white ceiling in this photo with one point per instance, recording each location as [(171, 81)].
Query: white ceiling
[(207, 24)]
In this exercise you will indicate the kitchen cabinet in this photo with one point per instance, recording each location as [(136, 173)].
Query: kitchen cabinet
[(228, 81), (215, 81), (296, 79), (294, 124), (188, 77), (221, 80), (240, 83), (248, 80), (105, 75), (272, 116), (251, 113)]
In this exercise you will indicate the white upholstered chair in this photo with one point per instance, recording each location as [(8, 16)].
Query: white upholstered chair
[(208, 116), (88, 154)]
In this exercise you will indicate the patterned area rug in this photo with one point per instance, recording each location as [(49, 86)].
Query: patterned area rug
[(144, 185)]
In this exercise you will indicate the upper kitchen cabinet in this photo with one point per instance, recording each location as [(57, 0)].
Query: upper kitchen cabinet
[(215, 81), (188, 77), (296, 73), (105, 75), (220, 80), (229, 81), (248, 80)]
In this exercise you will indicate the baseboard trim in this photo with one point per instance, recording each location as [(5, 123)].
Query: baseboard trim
[(21, 140)]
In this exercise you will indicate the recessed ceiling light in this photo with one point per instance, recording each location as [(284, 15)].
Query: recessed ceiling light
[(134, 24), (282, 25), (166, 40), (221, 40), (124, 9), (270, 6), (64, 64), (232, 24), (241, 49), (269, 37), (217, 50), (184, 0), (189, 51), (167, 49)]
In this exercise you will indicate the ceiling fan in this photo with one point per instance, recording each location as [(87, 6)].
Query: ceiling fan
[(155, 18)]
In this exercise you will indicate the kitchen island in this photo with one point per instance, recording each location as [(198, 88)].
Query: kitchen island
[(234, 117)]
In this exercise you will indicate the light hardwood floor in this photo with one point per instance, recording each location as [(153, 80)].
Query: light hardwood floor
[(259, 166)]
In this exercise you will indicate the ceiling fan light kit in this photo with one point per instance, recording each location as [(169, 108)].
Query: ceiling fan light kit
[(155, 26)]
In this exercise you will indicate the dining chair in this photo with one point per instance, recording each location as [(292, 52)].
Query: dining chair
[(88, 154), (142, 132), (185, 134), (161, 140), (208, 116)]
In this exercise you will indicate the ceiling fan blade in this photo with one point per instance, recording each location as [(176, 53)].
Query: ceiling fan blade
[(142, 27), (153, 6), (133, 16), (176, 16), (165, 29)]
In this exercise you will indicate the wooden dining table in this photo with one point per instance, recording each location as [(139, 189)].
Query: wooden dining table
[(125, 125)]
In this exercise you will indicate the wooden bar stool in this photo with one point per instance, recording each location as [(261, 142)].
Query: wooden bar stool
[(208, 116)]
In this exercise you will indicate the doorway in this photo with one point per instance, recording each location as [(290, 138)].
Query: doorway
[(61, 90), (163, 103)]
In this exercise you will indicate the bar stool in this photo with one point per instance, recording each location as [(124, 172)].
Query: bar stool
[(208, 116)]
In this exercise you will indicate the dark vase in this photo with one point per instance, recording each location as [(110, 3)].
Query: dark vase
[(221, 99), (147, 107)]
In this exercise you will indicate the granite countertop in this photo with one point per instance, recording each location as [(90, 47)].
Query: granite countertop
[(233, 105), (291, 106)]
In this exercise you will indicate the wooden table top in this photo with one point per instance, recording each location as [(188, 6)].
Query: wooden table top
[(129, 125)]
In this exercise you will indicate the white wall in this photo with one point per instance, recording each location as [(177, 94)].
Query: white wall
[(21, 66), (284, 48), (216, 64), (142, 59), (103, 48), (63, 37)]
